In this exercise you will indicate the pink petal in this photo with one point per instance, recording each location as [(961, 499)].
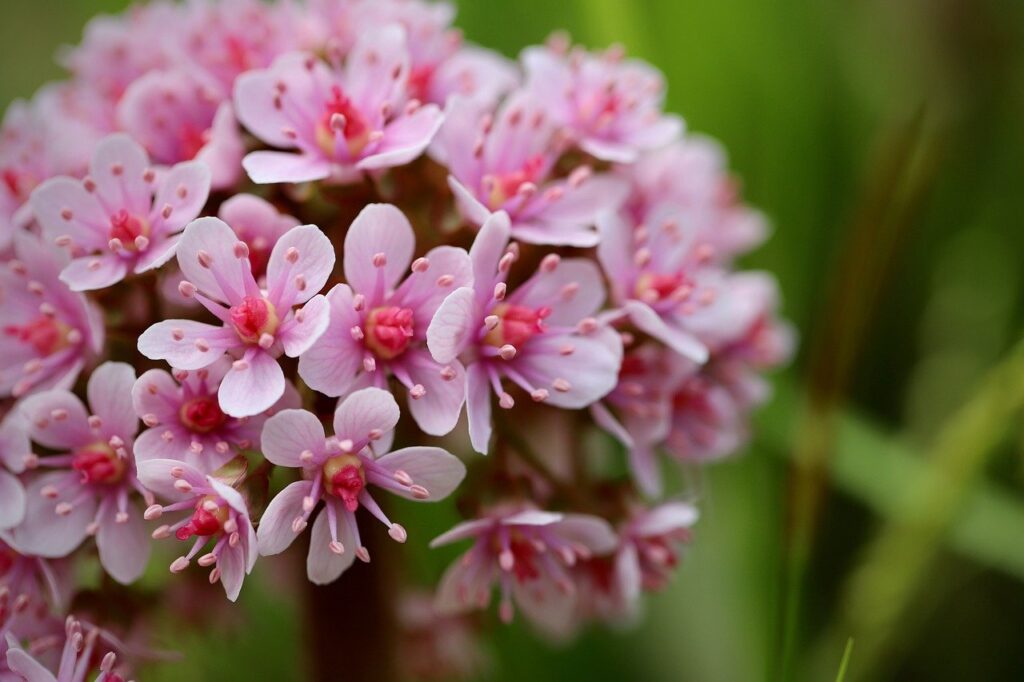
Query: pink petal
[(469, 206), (322, 565), (648, 321), (231, 562), (371, 65), (159, 343), (185, 189), (223, 280), (157, 254), (603, 417), (437, 411), (315, 260), (157, 393), (275, 533), (223, 153), (365, 411), (606, 150), (110, 398), (592, 532), (437, 470), (573, 291), (27, 668), (89, 223), (462, 531), (421, 290), (666, 518), (540, 231), (256, 217), (14, 440), (43, 532), (296, 336), (255, 93), (583, 204), (461, 587), (57, 420), (628, 578), (12, 501), (288, 434), (118, 168), (249, 391), (124, 547), (151, 445), (546, 606), (379, 228), (643, 464), (335, 359), (478, 407), (405, 139), (273, 167), (159, 475), (487, 250), (592, 369), (453, 325), (90, 273), (532, 517), (614, 250)]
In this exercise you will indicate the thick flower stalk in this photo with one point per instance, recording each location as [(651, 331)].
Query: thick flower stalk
[(257, 259)]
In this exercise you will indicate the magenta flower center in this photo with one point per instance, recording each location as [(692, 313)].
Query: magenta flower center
[(254, 317), (7, 558), (517, 324), (345, 479), (192, 139), (19, 184), (341, 117), (127, 227), (204, 522), (202, 415), (525, 554), (501, 188), (652, 287), (98, 463), (46, 335), (388, 331)]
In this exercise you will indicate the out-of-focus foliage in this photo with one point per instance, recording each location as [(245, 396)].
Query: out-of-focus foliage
[(814, 101)]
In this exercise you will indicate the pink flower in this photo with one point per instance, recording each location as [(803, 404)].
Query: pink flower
[(380, 328), (179, 117), (257, 324), (529, 554), (217, 514), (121, 217), (34, 585), (186, 422), (647, 555), (338, 470), (15, 450), (542, 336), (89, 493), (611, 107), (505, 162), (47, 331), (76, 661), (24, 163), (259, 224), (340, 122)]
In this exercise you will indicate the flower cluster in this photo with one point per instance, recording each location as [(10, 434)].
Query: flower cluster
[(236, 222)]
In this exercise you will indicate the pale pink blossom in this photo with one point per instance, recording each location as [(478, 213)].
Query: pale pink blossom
[(90, 490), (121, 218), (217, 514), (338, 470), (80, 656), (378, 325), (185, 420), (15, 450), (542, 336), (528, 554), (35, 585), (505, 161), (258, 325), (339, 121), (47, 332), (611, 107), (178, 117)]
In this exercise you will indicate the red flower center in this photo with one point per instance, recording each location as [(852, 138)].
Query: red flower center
[(98, 463), (6, 561), (389, 331), (517, 324), (253, 317), (345, 479), (46, 335), (652, 287), (525, 553), (192, 139), (202, 415), (126, 227), (501, 188), (204, 522), (351, 125)]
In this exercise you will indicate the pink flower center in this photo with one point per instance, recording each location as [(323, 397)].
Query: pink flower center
[(652, 287), (127, 227), (341, 117), (345, 479), (202, 415), (419, 82), (192, 139), (389, 331), (525, 554), (517, 324), (46, 335), (501, 188), (6, 561), (98, 463), (18, 183), (204, 522), (254, 317)]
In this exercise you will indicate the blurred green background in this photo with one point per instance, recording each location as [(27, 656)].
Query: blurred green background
[(882, 497)]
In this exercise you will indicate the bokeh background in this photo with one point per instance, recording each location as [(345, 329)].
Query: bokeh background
[(882, 499)]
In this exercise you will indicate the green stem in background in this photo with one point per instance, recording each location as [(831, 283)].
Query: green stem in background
[(879, 594), (845, 663), (895, 187)]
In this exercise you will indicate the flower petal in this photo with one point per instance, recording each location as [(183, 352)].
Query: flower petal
[(275, 533), (124, 547), (185, 188), (405, 138), (231, 561), (322, 565), (290, 432), (452, 326), (222, 278), (365, 411), (478, 407), (27, 668), (253, 389), (379, 228), (90, 273), (297, 337), (159, 342), (437, 411), (437, 470), (57, 420), (110, 398), (572, 291), (12, 501), (648, 321), (314, 260), (666, 518), (45, 533), (332, 363), (118, 168), (273, 167)]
